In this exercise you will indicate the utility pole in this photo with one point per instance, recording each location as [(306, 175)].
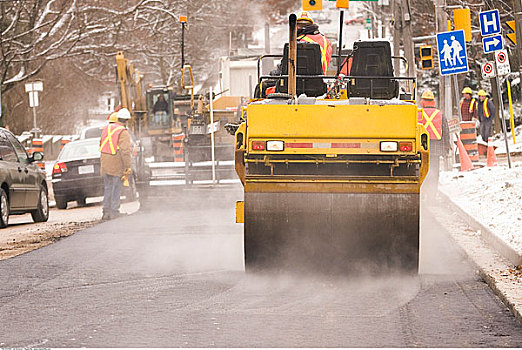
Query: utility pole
[(397, 33), (517, 7), (445, 100), (407, 38)]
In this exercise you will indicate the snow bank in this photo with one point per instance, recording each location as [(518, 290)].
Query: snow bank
[(493, 196)]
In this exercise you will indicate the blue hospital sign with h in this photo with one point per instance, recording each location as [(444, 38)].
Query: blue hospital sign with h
[(453, 58), (490, 22)]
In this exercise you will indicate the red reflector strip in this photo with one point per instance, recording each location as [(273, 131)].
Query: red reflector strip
[(346, 145), (299, 145)]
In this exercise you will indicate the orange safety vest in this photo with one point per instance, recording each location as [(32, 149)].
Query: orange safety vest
[(485, 109), (110, 137), (432, 122), (324, 43)]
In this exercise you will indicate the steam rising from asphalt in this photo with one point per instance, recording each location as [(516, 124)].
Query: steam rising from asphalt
[(195, 232)]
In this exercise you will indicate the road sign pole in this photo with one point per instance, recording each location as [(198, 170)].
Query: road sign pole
[(502, 120), (457, 99)]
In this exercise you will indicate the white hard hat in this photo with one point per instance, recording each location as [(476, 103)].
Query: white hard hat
[(123, 114)]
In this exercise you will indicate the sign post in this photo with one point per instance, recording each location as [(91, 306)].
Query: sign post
[(501, 58), (492, 42), (32, 89)]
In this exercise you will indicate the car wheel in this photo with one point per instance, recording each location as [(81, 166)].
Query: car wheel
[(61, 203), (41, 214), (81, 201), (4, 209)]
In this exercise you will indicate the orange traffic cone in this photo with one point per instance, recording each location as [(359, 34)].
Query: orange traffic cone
[(465, 161), (492, 158)]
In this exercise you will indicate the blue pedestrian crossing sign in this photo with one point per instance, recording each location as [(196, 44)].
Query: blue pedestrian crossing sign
[(453, 58), (489, 23), (492, 43)]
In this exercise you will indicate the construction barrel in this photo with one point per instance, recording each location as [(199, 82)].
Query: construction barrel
[(468, 135), (64, 142), (177, 144)]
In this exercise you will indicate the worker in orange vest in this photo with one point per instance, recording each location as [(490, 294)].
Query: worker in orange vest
[(308, 31), (431, 118), (115, 157)]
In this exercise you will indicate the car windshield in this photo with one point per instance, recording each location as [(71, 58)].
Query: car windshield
[(80, 150)]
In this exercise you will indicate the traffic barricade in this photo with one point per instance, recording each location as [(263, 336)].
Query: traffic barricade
[(177, 144), (468, 135)]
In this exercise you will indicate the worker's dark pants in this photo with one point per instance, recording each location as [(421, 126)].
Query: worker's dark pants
[(111, 194), (485, 129), (431, 183)]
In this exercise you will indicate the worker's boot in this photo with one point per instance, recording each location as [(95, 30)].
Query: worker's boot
[(106, 216)]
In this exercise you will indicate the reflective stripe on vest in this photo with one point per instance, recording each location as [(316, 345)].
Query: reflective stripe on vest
[(471, 104), (110, 137), (434, 127), (485, 109), (323, 45)]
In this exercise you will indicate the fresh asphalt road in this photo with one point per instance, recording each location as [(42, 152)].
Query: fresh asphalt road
[(174, 278)]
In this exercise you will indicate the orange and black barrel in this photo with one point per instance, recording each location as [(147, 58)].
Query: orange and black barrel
[(468, 135), (64, 142), (177, 144)]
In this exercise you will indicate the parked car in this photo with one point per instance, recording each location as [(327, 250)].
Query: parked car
[(76, 174), (22, 183), (357, 20), (92, 132)]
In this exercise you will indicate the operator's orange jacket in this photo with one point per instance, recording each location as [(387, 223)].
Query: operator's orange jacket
[(115, 149), (431, 118), (324, 43)]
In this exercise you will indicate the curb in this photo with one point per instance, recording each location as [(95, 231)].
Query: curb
[(498, 287), (498, 244)]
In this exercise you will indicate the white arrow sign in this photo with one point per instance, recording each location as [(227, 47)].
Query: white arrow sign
[(493, 42)]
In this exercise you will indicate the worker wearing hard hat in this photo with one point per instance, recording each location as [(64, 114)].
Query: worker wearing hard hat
[(468, 105), (431, 118), (486, 114), (308, 31), (115, 149)]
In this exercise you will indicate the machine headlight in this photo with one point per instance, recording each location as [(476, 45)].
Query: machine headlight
[(389, 146), (275, 145)]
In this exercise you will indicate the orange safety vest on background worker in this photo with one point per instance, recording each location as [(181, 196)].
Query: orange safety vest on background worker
[(110, 137), (324, 43), (431, 118)]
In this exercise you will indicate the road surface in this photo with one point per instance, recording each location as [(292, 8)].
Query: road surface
[(174, 278)]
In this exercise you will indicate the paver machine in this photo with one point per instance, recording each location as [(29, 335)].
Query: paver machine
[(332, 166)]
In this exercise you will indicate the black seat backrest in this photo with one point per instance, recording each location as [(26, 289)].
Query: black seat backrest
[(373, 58), (308, 63)]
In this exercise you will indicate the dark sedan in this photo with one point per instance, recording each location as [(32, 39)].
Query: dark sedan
[(76, 174), (22, 183)]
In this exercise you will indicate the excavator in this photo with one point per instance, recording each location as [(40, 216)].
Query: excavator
[(181, 135), (332, 166)]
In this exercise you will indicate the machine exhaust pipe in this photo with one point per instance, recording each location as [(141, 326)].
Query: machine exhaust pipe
[(292, 55)]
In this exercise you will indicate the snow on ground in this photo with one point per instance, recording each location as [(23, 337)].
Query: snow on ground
[(493, 196), (499, 142)]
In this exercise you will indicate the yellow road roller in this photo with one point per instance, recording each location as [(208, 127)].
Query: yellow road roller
[(332, 171)]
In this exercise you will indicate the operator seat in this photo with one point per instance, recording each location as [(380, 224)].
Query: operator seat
[(373, 58), (308, 63)]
